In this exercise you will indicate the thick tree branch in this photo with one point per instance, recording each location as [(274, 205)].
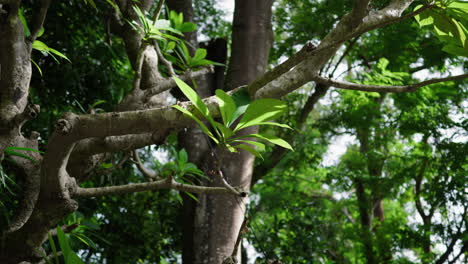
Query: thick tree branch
[(168, 183), (307, 67), (39, 19), (282, 68), (384, 88), (92, 146), (169, 83), (157, 11)]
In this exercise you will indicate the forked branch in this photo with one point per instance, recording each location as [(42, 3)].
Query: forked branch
[(386, 88), (168, 183)]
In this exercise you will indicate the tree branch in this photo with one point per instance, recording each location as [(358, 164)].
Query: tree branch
[(282, 68), (148, 173), (167, 63), (39, 19), (168, 183), (384, 88), (169, 83)]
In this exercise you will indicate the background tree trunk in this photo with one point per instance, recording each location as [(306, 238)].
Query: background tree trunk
[(219, 217)]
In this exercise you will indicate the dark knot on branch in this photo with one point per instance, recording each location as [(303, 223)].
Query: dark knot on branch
[(63, 126)]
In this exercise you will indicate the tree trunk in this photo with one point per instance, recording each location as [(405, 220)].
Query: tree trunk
[(219, 217)]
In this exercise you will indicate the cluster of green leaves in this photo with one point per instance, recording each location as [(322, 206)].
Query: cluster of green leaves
[(7, 182), (173, 46), (150, 30), (82, 232), (449, 21), (258, 113), (179, 168), (39, 45)]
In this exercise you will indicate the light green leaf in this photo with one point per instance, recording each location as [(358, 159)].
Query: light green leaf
[(226, 132), (462, 5), (64, 244), (272, 139), (227, 106), (250, 149), (53, 247), (455, 50), (275, 124), (27, 32), (187, 27), (260, 111), (200, 123), (199, 55), (193, 97), (171, 45), (37, 66), (258, 145), (425, 18)]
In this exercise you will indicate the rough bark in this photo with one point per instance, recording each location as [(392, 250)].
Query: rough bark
[(220, 217)]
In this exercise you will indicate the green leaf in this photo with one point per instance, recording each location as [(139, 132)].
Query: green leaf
[(200, 123), (37, 67), (192, 196), (99, 102), (27, 32), (187, 27), (53, 247), (199, 55), (64, 244), (258, 145), (193, 97), (251, 150), (275, 124), (25, 149), (18, 154), (461, 5), (227, 106), (260, 111), (171, 45), (226, 132), (455, 50), (183, 157), (272, 139), (425, 18)]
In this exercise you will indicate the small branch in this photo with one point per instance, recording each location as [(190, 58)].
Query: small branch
[(417, 192), (384, 88), (157, 11), (39, 20), (168, 183), (65, 228), (138, 68), (282, 68), (167, 63), (49, 257), (169, 83), (150, 174), (345, 53)]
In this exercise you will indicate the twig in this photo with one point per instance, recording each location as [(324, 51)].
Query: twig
[(39, 20), (157, 11), (168, 183), (167, 63), (386, 88), (150, 174)]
